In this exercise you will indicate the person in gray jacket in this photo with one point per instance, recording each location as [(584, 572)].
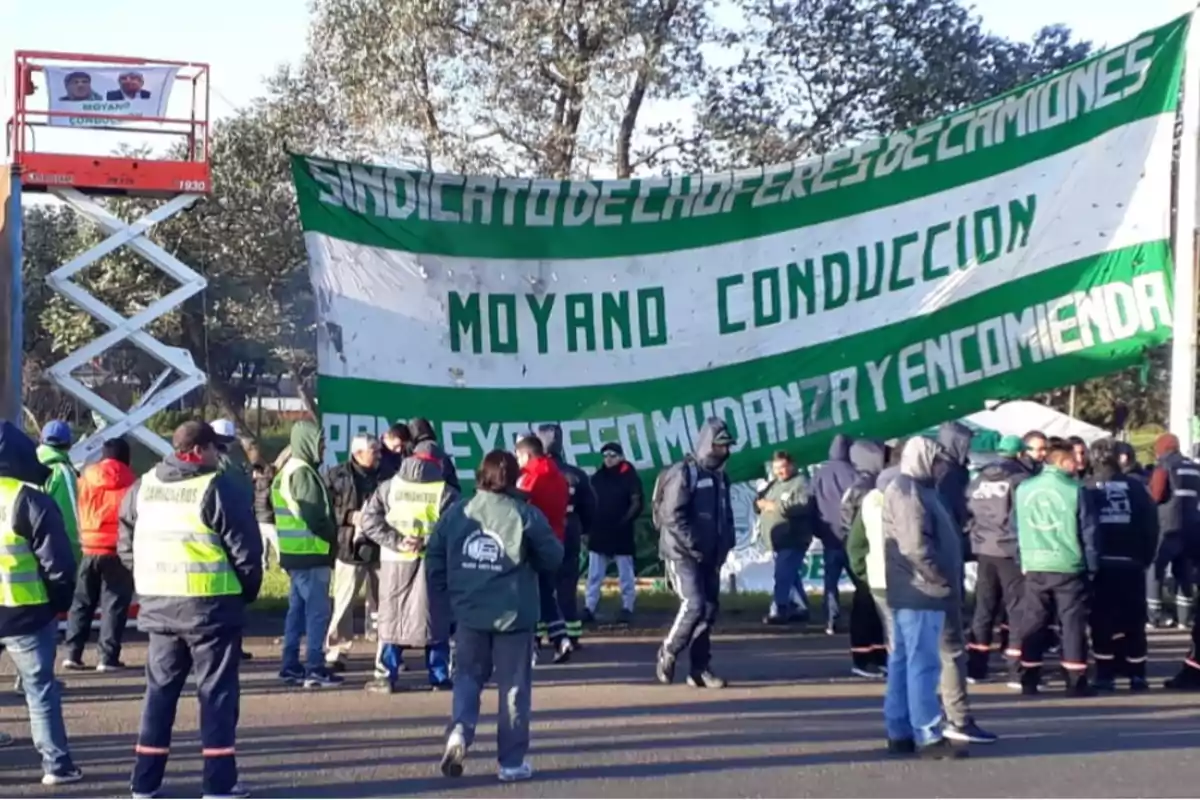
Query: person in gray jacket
[(923, 570)]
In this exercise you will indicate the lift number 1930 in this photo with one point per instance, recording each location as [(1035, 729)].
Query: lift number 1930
[(193, 186)]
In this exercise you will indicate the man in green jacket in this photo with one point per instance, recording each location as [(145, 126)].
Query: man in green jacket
[(54, 452), (486, 554), (1056, 535), (786, 508), (307, 542)]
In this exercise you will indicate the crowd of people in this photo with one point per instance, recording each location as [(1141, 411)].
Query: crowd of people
[(1072, 547)]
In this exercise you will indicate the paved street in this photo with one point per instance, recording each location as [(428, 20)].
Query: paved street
[(793, 725)]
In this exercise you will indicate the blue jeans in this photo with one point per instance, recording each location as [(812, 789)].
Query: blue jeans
[(508, 657), (33, 656), (836, 562), (911, 709), (437, 661), (308, 616), (788, 564)]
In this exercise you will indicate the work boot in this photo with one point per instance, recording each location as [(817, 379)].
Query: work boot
[(664, 669), (1030, 678), (705, 680), (1106, 675), (1139, 684), (454, 755), (1078, 685), (977, 664), (1186, 680)]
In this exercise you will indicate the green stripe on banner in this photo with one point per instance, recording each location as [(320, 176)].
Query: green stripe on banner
[(1052, 328), (486, 217)]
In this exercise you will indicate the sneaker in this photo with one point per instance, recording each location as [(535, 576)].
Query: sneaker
[(62, 777), (136, 795), (705, 680), (774, 619), (969, 733), (831, 630), (111, 666), (664, 670), (454, 756), (321, 679), (625, 617), (73, 664), (1139, 684), (514, 774), (587, 616), (942, 749), (901, 747), (236, 792), (292, 676), (870, 673), (335, 667), (562, 653), (380, 686)]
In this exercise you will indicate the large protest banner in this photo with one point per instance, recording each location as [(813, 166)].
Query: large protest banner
[(1015, 246)]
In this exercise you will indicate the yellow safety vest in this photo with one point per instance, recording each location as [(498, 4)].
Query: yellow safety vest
[(20, 582), (174, 553), (295, 539), (412, 510)]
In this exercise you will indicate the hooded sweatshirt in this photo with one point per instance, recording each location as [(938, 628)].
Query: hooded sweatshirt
[(309, 491), (829, 485), (546, 490), (868, 457), (425, 441), (61, 486), (922, 545), (102, 487), (581, 509), (950, 471), (36, 519), (697, 517), (224, 510)]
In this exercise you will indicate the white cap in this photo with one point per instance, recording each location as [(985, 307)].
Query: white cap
[(224, 429)]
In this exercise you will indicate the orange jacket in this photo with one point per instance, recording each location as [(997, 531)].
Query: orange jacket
[(101, 488)]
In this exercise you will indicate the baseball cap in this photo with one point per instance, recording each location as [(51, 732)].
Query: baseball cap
[(1010, 445), (56, 432), (225, 430), (193, 434)]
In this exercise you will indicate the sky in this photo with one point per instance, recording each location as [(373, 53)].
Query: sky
[(245, 40)]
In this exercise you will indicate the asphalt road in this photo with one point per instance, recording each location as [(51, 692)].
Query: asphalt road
[(792, 724)]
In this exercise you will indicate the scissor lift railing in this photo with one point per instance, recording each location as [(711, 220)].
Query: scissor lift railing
[(77, 179)]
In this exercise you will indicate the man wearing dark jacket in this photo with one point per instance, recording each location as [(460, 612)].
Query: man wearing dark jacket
[(619, 501), (425, 441), (868, 647), (1127, 539), (829, 485), (1175, 487), (397, 446), (581, 516), (38, 574), (992, 532), (694, 516), (1127, 462), (786, 520), (190, 538), (350, 486), (951, 471)]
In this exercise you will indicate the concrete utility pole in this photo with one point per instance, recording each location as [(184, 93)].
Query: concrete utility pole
[(12, 320)]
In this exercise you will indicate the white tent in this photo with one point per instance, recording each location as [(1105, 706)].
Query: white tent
[(1021, 416)]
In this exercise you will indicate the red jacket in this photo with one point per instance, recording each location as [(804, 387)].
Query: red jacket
[(548, 492), (101, 488)]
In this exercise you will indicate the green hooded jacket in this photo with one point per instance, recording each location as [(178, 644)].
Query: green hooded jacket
[(61, 487), (309, 491)]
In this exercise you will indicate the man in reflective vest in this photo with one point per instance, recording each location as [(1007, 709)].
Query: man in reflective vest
[(190, 538), (1175, 487), (399, 517), (37, 580), (307, 532)]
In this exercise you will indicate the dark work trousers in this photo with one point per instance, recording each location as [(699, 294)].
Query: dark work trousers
[(698, 585), (105, 582), (1172, 553), (1119, 622), (868, 647), (1045, 592), (835, 562), (551, 624), (568, 588), (214, 660), (999, 585)]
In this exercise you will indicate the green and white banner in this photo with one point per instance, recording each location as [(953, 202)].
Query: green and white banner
[(1012, 247)]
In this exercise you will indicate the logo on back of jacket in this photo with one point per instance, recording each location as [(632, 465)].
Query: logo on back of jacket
[(1046, 513), (483, 550)]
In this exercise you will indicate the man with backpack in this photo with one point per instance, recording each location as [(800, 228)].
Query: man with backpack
[(692, 511)]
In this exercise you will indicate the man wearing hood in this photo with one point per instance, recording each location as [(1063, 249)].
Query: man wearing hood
[(38, 579), (923, 570), (1175, 488), (1127, 462), (868, 647), (399, 518), (1127, 539), (307, 538), (581, 513), (992, 532), (190, 538), (424, 440), (786, 515), (951, 472), (55, 453), (694, 517), (829, 485), (545, 488), (619, 501)]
